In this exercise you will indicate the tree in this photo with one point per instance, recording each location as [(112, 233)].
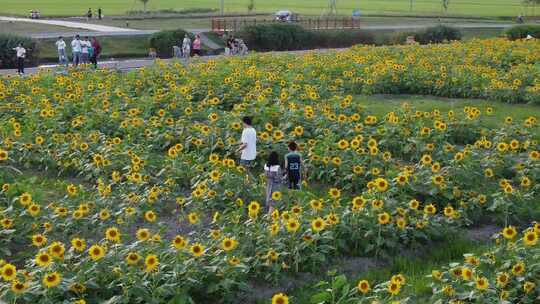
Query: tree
[(144, 2)]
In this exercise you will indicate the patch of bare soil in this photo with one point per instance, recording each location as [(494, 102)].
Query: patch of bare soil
[(482, 233)]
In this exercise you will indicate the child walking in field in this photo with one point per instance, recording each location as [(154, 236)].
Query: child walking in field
[(273, 174), (293, 165)]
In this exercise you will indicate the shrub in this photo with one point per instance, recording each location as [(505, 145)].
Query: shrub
[(163, 41), (521, 31), (266, 37), (7, 54), (282, 37), (437, 34)]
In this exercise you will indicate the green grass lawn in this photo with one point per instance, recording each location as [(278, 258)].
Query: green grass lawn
[(115, 7)]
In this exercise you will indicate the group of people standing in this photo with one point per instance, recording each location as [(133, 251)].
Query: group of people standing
[(276, 175), (235, 46), (189, 48), (83, 51)]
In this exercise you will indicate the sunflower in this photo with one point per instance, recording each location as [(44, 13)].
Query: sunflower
[(18, 287), (343, 144), (363, 286), (528, 286), (383, 218), (57, 250), (233, 261), (292, 225), (530, 238), (482, 283), (276, 196), (229, 244), (151, 262), (426, 159), (430, 209), (358, 202), (393, 288), (466, 274), (179, 242), (381, 184), (143, 234), (9, 272), (509, 232), (318, 224), (133, 258), (518, 269), (96, 252), (3, 155), (52, 279), (34, 209), (193, 218), (25, 198), (197, 250), (334, 193), (39, 240), (280, 298), (503, 279), (43, 259), (525, 182), (414, 204), (78, 244), (77, 288), (150, 216), (112, 234), (534, 155), (254, 207)]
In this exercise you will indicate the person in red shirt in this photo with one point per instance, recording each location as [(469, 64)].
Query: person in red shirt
[(97, 51)]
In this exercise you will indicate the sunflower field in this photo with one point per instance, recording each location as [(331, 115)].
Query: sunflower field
[(154, 207)]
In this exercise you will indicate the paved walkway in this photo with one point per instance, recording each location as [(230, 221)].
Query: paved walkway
[(80, 25)]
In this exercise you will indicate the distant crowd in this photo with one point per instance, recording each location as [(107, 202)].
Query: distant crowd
[(83, 51)]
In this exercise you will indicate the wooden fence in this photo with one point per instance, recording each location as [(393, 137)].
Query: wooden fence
[(234, 25)]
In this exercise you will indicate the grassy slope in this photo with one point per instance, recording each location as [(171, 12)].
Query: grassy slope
[(111, 7)]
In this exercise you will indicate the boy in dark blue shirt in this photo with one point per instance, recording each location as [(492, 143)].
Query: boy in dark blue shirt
[(293, 165)]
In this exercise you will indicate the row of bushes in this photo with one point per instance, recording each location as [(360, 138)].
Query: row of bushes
[(521, 31), (279, 37)]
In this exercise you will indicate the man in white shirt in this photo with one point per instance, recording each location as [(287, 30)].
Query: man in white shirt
[(85, 44), (76, 49), (61, 47), (248, 146), (21, 55)]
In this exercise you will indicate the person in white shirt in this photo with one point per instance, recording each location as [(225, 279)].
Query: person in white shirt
[(61, 47), (186, 46), (21, 55), (85, 44), (76, 49), (248, 146)]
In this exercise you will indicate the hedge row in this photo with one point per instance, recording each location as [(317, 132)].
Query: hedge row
[(521, 31), (280, 37)]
